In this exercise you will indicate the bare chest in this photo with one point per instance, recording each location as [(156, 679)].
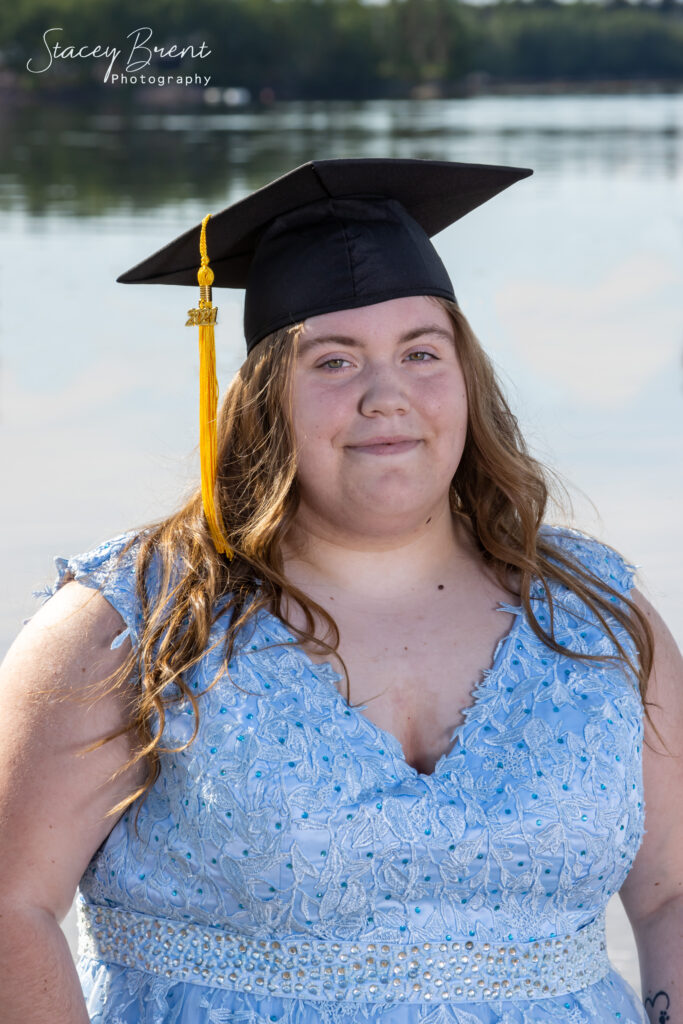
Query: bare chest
[(414, 669)]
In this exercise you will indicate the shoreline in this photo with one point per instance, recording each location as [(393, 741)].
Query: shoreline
[(15, 93)]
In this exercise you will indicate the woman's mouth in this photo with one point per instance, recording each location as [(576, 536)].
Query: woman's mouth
[(385, 447)]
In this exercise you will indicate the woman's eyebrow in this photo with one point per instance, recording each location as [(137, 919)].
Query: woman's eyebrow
[(309, 343)]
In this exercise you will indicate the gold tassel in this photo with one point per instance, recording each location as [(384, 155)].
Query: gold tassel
[(205, 317)]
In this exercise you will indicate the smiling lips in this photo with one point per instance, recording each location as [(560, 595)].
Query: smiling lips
[(386, 445)]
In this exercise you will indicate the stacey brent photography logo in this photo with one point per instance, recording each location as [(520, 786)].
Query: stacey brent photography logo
[(139, 57)]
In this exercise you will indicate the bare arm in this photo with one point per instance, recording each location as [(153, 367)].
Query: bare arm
[(653, 892), (52, 801)]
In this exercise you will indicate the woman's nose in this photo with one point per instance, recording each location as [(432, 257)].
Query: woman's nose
[(383, 391)]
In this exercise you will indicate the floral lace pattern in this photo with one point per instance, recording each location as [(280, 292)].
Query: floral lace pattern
[(293, 814)]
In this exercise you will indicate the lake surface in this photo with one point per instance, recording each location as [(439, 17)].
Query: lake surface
[(571, 278)]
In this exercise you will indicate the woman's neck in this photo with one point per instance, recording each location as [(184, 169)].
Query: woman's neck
[(379, 569)]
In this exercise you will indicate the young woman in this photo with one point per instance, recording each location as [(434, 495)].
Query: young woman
[(429, 831)]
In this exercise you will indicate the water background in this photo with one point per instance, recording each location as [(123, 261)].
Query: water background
[(571, 278)]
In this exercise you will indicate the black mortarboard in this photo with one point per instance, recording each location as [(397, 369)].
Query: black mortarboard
[(330, 235)]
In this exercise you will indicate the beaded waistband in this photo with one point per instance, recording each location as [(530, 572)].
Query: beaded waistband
[(363, 971)]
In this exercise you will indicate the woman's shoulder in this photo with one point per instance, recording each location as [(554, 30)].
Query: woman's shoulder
[(606, 562)]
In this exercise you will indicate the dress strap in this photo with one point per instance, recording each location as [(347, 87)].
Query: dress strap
[(109, 568), (457, 971)]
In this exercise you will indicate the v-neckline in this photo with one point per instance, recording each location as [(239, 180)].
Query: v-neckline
[(325, 675)]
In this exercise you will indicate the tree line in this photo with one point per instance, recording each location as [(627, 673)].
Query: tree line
[(345, 49)]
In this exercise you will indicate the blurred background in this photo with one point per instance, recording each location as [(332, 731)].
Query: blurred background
[(572, 278)]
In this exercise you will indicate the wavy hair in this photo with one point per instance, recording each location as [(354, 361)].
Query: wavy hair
[(498, 488)]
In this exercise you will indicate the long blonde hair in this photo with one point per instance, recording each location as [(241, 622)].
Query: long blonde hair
[(499, 489)]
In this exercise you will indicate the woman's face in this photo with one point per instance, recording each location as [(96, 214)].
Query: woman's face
[(380, 417)]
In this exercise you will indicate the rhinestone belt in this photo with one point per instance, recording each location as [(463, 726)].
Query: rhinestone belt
[(310, 968)]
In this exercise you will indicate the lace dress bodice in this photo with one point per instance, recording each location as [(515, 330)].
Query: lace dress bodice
[(293, 823)]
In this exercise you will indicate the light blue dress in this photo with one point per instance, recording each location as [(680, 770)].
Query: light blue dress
[(292, 867)]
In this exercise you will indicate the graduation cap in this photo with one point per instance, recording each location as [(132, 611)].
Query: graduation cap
[(328, 235)]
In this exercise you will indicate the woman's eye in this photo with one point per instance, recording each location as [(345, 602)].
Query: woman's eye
[(335, 359), (421, 352)]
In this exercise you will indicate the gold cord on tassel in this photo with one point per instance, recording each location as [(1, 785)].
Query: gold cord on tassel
[(205, 317)]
